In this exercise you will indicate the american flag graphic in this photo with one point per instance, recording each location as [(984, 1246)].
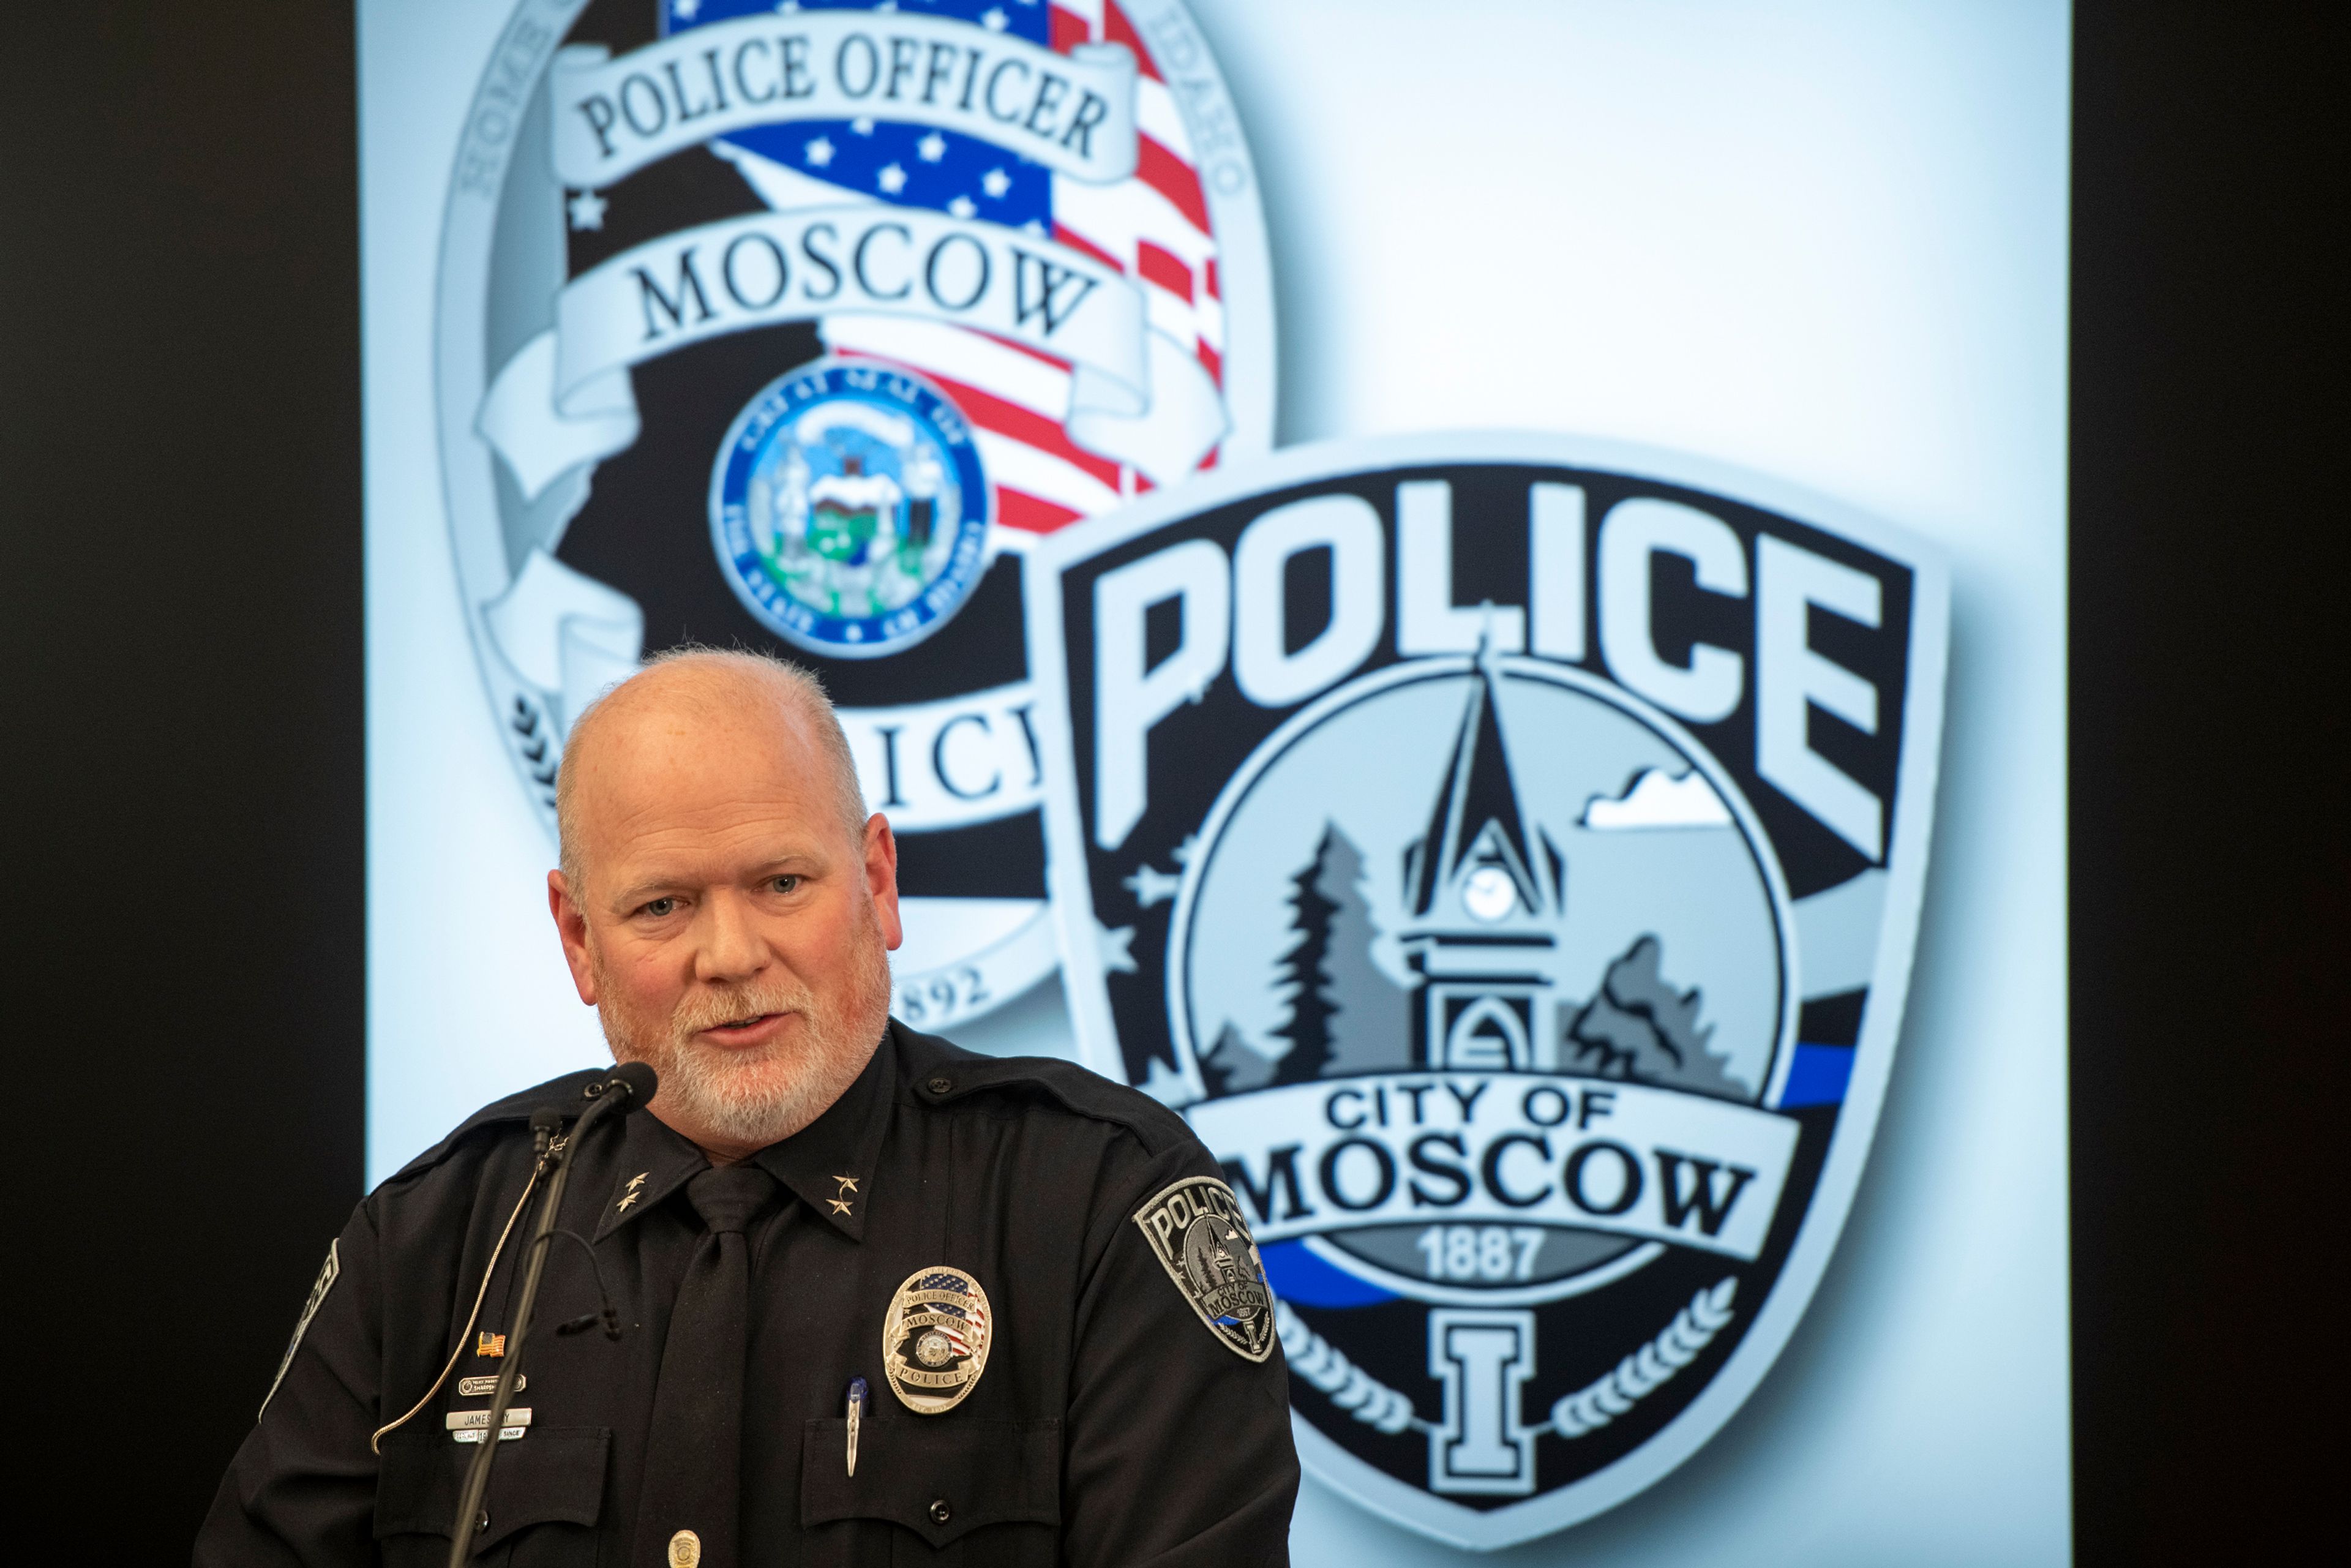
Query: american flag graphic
[(1153, 228), (972, 1311)]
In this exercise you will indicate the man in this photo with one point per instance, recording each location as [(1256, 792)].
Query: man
[(1034, 1275)]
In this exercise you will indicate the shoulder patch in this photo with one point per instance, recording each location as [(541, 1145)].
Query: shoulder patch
[(1195, 1230), (327, 1272)]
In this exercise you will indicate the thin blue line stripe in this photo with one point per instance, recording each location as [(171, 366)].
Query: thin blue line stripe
[(1818, 1076)]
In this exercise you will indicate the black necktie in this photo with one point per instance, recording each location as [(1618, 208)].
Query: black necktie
[(694, 1452)]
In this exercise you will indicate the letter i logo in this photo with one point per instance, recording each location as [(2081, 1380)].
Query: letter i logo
[(1483, 1359)]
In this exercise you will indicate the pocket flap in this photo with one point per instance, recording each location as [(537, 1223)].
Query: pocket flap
[(554, 1475), (939, 1477)]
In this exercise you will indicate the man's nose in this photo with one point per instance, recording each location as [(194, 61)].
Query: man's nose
[(732, 949)]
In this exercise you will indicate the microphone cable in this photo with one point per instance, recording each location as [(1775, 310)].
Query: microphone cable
[(375, 1443)]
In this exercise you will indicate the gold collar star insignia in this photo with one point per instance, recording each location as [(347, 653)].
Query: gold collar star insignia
[(840, 1205), (633, 1192)]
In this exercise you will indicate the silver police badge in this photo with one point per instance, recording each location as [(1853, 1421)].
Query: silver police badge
[(1200, 1236), (1507, 851), (934, 1339), (792, 328)]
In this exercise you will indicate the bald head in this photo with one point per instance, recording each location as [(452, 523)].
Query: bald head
[(705, 698), (725, 903)]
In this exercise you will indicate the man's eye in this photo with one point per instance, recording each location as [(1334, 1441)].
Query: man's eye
[(660, 907), (785, 883)]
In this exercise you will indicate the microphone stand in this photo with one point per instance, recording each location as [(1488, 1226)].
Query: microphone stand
[(555, 1159)]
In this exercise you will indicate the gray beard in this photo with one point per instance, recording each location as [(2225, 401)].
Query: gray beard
[(744, 1099)]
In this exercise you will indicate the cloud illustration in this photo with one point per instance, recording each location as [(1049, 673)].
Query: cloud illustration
[(1659, 800)]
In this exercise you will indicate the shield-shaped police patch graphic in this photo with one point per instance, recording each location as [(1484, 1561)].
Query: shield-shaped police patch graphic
[(790, 326), (1507, 851)]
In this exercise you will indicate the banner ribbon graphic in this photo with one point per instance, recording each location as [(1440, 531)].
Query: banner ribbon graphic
[(1073, 113), (564, 399)]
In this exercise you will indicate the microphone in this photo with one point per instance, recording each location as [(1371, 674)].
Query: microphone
[(626, 1087)]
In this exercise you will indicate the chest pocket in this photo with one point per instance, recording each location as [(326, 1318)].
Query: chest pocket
[(941, 1492), (553, 1478)]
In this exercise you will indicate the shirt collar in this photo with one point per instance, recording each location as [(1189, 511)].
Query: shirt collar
[(653, 1162), (830, 1163)]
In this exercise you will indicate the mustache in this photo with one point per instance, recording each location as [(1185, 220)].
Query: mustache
[(709, 1007)]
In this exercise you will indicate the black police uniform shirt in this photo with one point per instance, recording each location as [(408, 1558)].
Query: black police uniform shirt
[(1110, 1425)]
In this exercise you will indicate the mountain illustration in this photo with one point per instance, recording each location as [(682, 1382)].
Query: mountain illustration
[(1639, 1029), (1343, 1014)]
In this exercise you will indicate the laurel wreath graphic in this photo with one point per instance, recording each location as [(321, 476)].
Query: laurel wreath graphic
[(1320, 1362), (534, 747), (1588, 1409), (1638, 1375)]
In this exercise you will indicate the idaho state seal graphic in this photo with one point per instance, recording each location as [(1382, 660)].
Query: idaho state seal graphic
[(794, 327), (1505, 852), (848, 507)]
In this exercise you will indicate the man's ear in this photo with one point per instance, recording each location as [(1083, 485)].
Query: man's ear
[(571, 929), (881, 876)]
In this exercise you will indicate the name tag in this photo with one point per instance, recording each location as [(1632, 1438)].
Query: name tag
[(479, 1420)]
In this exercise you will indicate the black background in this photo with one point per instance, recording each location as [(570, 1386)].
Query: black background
[(180, 595)]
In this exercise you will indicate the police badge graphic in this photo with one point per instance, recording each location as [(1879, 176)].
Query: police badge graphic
[(1507, 851), (793, 327)]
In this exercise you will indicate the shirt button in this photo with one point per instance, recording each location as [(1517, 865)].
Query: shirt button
[(940, 1512), (482, 1522), (940, 1086)]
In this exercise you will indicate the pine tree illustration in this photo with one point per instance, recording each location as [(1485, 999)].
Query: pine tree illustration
[(1370, 1028), (1303, 973)]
